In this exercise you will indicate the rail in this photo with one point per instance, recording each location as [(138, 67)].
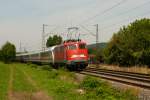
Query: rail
[(134, 79)]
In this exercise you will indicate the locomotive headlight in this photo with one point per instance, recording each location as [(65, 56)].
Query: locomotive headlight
[(81, 55), (74, 56)]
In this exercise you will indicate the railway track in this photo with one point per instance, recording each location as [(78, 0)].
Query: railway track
[(134, 79)]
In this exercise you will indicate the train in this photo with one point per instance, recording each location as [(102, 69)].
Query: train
[(72, 54)]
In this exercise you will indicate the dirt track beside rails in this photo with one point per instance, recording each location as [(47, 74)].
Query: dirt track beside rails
[(39, 94)]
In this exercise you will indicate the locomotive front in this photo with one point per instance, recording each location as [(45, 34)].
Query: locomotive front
[(76, 55)]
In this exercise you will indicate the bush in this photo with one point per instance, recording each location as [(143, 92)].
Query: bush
[(8, 52), (100, 90)]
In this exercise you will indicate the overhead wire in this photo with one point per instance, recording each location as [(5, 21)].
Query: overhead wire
[(88, 30), (52, 31), (117, 27), (129, 10), (127, 19), (105, 11), (101, 13)]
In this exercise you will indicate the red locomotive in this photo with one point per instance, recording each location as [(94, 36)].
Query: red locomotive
[(73, 54)]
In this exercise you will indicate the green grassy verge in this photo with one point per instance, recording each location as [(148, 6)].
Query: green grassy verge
[(61, 85), (4, 80), (58, 83), (20, 82)]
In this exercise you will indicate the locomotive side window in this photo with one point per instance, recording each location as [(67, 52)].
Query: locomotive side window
[(82, 46), (72, 47)]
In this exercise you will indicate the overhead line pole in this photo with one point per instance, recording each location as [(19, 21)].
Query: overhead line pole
[(97, 41), (43, 38), (97, 36), (20, 47), (45, 35)]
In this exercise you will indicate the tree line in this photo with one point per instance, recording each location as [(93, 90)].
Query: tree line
[(129, 46)]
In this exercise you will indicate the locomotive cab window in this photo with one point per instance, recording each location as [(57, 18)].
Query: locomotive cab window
[(72, 47), (82, 46)]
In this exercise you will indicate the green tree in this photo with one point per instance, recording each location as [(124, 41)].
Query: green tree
[(55, 40), (130, 45), (99, 55), (8, 52), (49, 42), (0, 55)]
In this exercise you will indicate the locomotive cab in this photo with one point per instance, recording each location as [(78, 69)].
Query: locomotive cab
[(77, 55)]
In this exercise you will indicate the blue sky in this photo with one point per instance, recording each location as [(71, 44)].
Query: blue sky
[(21, 20)]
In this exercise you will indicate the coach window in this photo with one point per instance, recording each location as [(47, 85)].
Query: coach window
[(82, 46), (72, 47)]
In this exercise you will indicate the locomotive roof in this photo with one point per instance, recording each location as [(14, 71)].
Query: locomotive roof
[(51, 48), (35, 52), (73, 42)]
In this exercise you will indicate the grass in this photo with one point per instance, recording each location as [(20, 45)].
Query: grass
[(59, 84), (62, 85), (20, 82), (4, 80)]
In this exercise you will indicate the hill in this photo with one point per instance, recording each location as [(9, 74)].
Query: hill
[(100, 45)]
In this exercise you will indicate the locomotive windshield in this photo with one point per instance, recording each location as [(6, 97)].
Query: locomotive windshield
[(75, 46), (72, 47), (82, 46)]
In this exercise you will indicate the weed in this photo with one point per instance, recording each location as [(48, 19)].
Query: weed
[(46, 67), (90, 83), (53, 74), (33, 65), (100, 90), (61, 89)]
